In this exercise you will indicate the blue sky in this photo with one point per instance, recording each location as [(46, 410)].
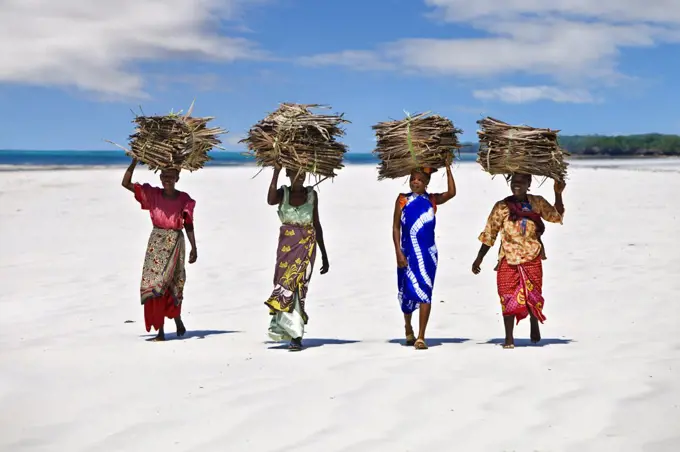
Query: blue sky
[(74, 69)]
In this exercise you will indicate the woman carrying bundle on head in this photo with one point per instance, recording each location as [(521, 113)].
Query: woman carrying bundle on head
[(414, 243), (519, 219), (300, 233), (163, 274)]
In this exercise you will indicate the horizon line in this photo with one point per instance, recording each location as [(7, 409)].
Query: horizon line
[(244, 153)]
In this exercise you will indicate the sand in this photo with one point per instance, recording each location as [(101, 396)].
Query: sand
[(75, 375)]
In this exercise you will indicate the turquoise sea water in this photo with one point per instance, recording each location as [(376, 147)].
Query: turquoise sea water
[(118, 158)]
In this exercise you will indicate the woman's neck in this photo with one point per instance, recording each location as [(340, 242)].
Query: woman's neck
[(170, 192)]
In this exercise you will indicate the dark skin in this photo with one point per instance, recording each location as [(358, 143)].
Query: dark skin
[(418, 183), (519, 185), (168, 179), (298, 197)]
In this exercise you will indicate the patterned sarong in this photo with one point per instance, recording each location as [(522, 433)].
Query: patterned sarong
[(163, 277), (520, 288), (294, 264)]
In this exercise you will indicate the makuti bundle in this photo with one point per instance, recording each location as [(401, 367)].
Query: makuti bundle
[(417, 141), (298, 139), (173, 141), (507, 149)]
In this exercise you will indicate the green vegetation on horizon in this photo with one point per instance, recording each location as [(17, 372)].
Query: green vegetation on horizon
[(650, 144)]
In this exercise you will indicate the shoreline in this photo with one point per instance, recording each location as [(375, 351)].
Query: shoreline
[(67, 167), (633, 163)]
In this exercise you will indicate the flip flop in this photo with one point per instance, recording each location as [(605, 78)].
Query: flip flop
[(508, 346), (410, 340), (420, 344), (295, 345)]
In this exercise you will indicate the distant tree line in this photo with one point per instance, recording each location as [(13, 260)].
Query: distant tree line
[(650, 144), (622, 145)]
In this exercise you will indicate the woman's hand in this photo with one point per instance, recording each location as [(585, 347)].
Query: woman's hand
[(560, 186), (324, 265), (477, 266), (401, 260), (193, 255)]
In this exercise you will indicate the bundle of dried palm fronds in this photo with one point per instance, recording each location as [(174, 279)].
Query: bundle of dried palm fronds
[(298, 139), (418, 141), (507, 149), (173, 141)]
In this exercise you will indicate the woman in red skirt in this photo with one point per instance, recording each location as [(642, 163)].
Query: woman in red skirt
[(163, 274), (519, 220)]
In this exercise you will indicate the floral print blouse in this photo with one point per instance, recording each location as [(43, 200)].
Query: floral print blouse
[(519, 241)]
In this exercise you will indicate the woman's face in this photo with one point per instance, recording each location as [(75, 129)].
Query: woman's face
[(418, 182), (519, 184), (169, 178), (295, 178)]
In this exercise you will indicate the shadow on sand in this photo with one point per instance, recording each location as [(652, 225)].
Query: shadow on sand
[(190, 334), (528, 343), (310, 343), (433, 341)]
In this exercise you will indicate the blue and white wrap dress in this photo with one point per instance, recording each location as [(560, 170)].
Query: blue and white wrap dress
[(416, 280)]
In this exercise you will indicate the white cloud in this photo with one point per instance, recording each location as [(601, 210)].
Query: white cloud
[(661, 11), (94, 45), (356, 59), (571, 41), (526, 94)]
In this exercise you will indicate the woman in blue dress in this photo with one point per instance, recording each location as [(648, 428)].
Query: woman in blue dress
[(414, 243)]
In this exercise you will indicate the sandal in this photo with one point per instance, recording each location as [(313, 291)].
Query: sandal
[(508, 346), (420, 344), (410, 340), (295, 345)]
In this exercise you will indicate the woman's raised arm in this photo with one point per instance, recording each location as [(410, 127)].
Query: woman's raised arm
[(127, 178), (274, 194)]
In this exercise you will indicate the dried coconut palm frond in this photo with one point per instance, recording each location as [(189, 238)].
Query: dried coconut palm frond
[(507, 149), (173, 141), (417, 141), (298, 139)]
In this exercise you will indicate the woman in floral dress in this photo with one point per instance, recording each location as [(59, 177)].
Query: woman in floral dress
[(299, 235)]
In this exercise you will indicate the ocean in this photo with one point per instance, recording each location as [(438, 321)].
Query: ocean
[(10, 158)]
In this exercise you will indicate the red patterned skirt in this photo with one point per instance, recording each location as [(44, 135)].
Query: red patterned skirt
[(163, 277), (520, 288)]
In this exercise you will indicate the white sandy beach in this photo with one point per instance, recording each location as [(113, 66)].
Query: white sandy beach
[(74, 376)]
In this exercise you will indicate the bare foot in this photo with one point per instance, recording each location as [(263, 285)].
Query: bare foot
[(181, 330), (160, 337), (535, 331), (509, 324)]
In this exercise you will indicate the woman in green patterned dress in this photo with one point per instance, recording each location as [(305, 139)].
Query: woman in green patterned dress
[(300, 233)]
